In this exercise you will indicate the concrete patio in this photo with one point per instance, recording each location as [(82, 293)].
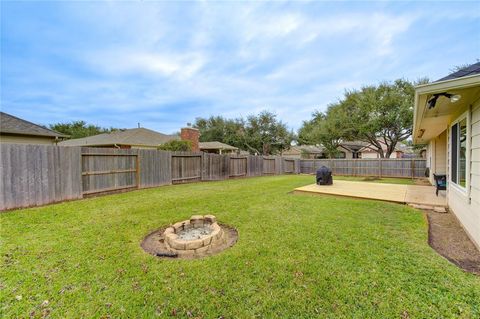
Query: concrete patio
[(414, 195)]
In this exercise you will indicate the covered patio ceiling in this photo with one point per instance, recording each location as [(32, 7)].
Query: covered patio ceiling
[(431, 122)]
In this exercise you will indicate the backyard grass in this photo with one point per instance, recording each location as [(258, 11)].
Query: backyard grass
[(297, 256), (388, 180)]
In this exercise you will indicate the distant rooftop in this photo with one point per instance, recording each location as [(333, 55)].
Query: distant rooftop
[(136, 136), (216, 146), (310, 149), (10, 124), (469, 70)]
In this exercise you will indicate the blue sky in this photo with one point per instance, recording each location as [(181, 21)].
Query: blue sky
[(164, 64)]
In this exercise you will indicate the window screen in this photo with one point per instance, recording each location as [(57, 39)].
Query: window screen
[(462, 153), (454, 153)]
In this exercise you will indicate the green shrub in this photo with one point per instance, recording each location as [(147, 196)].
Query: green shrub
[(176, 145)]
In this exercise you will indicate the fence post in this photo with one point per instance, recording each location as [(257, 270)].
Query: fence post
[(380, 167), (137, 163), (413, 168)]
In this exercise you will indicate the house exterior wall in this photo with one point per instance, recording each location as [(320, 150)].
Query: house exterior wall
[(437, 156), (441, 153), (465, 204), (144, 147), (218, 151), (430, 160), (348, 155), (293, 155), (372, 154), (24, 139)]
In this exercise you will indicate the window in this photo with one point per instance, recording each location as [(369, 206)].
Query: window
[(459, 153), (340, 155)]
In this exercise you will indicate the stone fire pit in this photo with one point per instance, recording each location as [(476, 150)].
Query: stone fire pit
[(194, 238)]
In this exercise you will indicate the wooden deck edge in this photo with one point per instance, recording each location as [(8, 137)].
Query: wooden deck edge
[(297, 191)]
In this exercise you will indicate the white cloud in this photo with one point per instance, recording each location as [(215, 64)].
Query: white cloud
[(146, 59), (121, 60)]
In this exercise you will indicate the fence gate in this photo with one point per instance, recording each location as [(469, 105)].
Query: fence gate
[(268, 165), (289, 166), (238, 166), (186, 167), (106, 171)]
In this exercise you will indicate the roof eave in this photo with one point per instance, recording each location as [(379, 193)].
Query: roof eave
[(33, 134), (438, 87)]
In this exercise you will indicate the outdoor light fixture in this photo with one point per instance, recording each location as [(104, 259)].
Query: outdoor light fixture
[(422, 131), (455, 98), (433, 100)]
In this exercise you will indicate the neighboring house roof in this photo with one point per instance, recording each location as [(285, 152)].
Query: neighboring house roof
[(354, 146), (216, 146), (10, 124), (469, 70), (298, 149), (136, 136), (369, 148)]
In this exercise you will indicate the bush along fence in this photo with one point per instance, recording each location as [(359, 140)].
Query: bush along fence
[(33, 175)]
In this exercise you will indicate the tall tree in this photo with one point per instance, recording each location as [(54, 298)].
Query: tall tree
[(380, 115), (327, 129), (78, 129), (266, 135), (220, 129), (463, 66), (260, 134)]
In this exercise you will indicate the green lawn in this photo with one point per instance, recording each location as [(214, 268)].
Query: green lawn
[(297, 256), (388, 180)]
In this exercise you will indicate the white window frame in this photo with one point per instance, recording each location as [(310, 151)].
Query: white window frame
[(458, 187)]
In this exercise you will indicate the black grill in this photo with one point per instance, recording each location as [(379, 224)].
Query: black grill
[(324, 176)]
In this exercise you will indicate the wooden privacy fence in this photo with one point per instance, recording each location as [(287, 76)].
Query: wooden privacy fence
[(186, 167), (33, 175), (408, 167), (238, 166), (104, 171), (268, 165)]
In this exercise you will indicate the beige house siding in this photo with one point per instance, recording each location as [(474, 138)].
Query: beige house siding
[(440, 153), (348, 155), (431, 159), (24, 139), (370, 155), (376, 155), (437, 156), (466, 204)]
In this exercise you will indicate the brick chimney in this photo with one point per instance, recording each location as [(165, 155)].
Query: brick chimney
[(191, 134)]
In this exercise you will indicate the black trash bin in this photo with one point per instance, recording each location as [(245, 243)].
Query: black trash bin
[(324, 176)]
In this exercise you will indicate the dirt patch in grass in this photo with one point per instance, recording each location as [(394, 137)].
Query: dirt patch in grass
[(154, 244), (422, 181), (448, 238)]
